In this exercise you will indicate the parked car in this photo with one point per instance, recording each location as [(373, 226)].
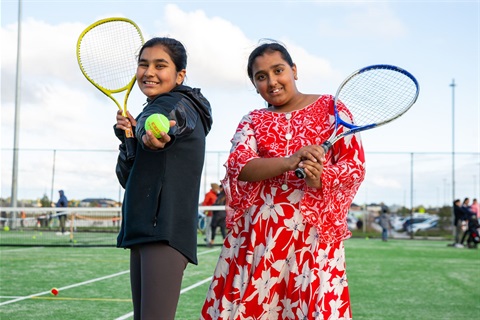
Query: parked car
[(397, 223), (352, 222), (421, 224)]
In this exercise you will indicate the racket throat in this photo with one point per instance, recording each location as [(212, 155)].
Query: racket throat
[(326, 146)]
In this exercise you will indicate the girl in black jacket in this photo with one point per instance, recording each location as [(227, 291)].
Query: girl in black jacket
[(162, 182)]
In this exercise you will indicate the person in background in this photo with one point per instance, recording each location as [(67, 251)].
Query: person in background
[(475, 208), (360, 224), (3, 219), (466, 204), (284, 257), (209, 200), (62, 216), (23, 216), (218, 217), (459, 217), (385, 224), (162, 182), (471, 231)]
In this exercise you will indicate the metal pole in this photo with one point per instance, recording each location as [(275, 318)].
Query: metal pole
[(411, 195), (17, 118), (218, 167), (205, 182), (53, 175), (453, 147), (474, 186)]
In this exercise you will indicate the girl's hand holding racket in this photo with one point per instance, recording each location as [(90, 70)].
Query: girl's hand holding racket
[(125, 123), (312, 160)]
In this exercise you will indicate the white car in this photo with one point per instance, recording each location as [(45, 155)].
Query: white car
[(397, 223), (428, 223), (352, 222)]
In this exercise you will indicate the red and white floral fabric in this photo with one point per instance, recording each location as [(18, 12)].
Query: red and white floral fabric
[(284, 257)]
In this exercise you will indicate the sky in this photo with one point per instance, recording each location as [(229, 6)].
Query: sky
[(66, 138)]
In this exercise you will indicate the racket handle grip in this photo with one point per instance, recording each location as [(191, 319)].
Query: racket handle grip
[(300, 172), (130, 144)]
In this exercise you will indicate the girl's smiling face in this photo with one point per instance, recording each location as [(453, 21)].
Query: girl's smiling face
[(156, 72), (274, 78)]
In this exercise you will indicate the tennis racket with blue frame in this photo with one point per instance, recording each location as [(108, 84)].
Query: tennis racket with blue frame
[(374, 95)]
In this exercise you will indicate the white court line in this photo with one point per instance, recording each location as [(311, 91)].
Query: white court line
[(193, 286), (126, 316), (21, 249), (207, 251), (63, 288)]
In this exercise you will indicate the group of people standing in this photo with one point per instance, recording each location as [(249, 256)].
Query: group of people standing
[(214, 218), (283, 256), (466, 223)]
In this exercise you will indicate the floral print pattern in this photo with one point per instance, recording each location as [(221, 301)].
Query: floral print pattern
[(284, 257)]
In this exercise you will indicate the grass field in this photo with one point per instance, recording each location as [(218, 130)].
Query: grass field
[(399, 279)]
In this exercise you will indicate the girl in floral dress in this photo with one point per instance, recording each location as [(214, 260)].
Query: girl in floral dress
[(283, 257)]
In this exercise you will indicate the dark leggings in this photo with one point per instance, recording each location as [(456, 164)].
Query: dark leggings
[(222, 230), (218, 220), (156, 272)]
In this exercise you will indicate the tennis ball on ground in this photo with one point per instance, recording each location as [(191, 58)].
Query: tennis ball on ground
[(6, 228), (157, 123), (54, 291)]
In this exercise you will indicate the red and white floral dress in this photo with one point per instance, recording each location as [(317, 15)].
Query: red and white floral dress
[(284, 257)]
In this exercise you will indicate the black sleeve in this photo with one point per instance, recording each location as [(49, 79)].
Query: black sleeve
[(124, 166), (174, 106)]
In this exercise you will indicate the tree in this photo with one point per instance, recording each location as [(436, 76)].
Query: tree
[(445, 217), (45, 202)]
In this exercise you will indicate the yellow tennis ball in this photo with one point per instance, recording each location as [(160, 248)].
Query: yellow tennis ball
[(6, 228), (157, 123)]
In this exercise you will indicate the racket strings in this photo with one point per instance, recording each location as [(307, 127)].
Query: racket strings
[(108, 54), (377, 96)]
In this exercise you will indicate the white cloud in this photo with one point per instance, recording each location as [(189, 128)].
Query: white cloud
[(217, 49), (375, 20), (385, 182), (60, 109)]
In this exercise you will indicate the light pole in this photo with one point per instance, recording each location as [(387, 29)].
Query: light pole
[(453, 146), (445, 192), (17, 120), (53, 175), (411, 195)]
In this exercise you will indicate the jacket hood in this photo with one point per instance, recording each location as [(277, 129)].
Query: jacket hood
[(200, 103)]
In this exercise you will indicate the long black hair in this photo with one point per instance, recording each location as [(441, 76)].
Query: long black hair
[(267, 47)]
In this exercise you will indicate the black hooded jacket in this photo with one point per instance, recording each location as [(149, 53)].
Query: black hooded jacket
[(162, 186)]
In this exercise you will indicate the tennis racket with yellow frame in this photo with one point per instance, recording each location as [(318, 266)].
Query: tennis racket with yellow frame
[(107, 55)]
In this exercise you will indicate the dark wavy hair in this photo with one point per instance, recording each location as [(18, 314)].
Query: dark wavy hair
[(174, 48)]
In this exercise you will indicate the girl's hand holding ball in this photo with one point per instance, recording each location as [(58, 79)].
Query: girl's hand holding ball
[(157, 123)]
